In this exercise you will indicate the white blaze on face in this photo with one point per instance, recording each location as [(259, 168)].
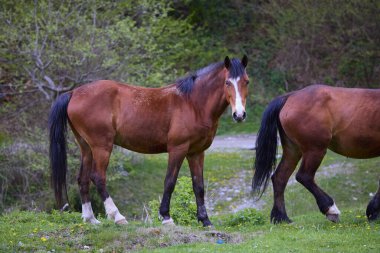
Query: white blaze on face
[(238, 101)]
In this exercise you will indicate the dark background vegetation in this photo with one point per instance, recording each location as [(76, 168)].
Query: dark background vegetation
[(49, 47)]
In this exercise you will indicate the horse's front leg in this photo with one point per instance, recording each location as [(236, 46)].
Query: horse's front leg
[(175, 160), (196, 168)]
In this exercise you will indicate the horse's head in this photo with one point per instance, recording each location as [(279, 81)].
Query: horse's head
[(236, 86)]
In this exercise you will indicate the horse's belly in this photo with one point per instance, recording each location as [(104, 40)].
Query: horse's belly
[(356, 146), (142, 144)]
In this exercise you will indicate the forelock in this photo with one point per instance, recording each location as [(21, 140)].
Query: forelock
[(236, 69)]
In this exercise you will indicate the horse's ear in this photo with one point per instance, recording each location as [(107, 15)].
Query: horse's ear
[(244, 61), (227, 62)]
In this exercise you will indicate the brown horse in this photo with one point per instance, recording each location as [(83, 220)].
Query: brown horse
[(180, 119), (310, 121)]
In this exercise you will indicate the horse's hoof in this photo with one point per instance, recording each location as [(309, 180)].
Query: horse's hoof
[(95, 221), (91, 220), (121, 222), (373, 210), (277, 216), (372, 216), (277, 220), (333, 217), (168, 222), (207, 224), (209, 227), (119, 219)]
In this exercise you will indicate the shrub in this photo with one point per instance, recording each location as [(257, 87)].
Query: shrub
[(248, 216), (183, 208)]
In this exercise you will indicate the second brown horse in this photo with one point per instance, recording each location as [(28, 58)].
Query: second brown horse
[(180, 119), (310, 121)]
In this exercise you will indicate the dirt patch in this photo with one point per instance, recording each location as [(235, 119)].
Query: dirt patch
[(233, 142), (233, 195), (165, 236)]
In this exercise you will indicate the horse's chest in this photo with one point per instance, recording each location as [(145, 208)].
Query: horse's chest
[(202, 138)]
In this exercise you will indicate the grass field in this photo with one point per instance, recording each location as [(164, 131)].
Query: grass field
[(348, 181)]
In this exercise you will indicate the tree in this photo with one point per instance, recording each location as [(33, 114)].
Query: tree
[(59, 45)]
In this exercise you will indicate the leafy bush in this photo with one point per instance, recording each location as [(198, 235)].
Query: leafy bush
[(248, 216), (24, 177), (183, 208)]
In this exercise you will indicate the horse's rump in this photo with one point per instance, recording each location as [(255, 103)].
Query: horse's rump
[(345, 120)]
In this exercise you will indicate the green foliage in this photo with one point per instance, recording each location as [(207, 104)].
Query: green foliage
[(314, 41), (133, 42), (23, 173), (245, 217), (4, 139), (183, 208)]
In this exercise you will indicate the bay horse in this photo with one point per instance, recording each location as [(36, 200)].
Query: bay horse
[(180, 119), (310, 121)]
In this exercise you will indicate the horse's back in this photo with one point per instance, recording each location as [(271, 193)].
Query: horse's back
[(345, 120), (133, 117)]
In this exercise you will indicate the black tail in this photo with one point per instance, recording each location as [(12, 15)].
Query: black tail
[(266, 145), (58, 157)]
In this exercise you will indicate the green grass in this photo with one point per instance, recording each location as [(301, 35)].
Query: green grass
[(310, 232), (29, 231)]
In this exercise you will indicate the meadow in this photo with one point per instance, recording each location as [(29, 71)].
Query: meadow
[(350, 182)]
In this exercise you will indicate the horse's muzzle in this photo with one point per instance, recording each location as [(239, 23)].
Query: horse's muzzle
[(239, 117)]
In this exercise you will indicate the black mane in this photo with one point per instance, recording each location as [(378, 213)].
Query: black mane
[(186, 84)]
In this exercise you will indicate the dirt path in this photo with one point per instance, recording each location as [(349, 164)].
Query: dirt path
[(233, 142), (237, 193)]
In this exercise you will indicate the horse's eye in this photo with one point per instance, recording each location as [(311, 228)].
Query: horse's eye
[(247, 82), (228, 83)]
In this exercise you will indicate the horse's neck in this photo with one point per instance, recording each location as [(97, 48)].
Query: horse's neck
[(209, 98)]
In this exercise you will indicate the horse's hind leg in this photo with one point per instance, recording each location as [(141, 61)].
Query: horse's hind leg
[(310, 163), (101, 157), (84, 181), (373, 208), (280, 178)]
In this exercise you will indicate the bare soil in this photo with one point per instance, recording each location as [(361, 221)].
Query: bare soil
[(233, 142)]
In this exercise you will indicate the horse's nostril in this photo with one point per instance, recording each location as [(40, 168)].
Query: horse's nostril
[(239, 117)]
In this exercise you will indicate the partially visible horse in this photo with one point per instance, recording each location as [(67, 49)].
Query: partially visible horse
[(310, 121), (180, 119)]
